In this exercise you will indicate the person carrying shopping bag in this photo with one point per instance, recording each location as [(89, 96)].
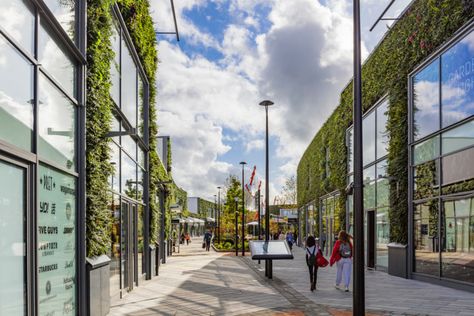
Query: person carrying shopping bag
[(312, 251), (342, 256)]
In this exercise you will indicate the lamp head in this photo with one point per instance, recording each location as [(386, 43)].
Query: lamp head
[(243, 163), (236, 199), (266, 103), (218, 187)]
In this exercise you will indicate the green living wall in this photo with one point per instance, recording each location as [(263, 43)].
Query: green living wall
[(421, 29), (136, 14), (204, 206)]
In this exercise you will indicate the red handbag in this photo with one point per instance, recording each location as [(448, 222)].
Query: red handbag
[(320, 260)]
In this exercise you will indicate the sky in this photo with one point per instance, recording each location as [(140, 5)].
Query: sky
[(233, 54)]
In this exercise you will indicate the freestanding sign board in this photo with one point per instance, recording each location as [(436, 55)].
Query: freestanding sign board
[(272, 249)]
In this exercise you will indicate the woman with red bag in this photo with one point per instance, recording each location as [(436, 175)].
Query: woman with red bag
[(342, 255)]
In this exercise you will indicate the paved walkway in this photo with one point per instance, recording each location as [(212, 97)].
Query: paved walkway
[(195, 282), (385, 294)]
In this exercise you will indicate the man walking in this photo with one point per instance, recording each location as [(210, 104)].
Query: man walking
[(207, 239)]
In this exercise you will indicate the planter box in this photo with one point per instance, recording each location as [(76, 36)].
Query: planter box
[(98, 285), (398, 260)]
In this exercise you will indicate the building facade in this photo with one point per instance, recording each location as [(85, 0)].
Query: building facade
[(81, 183), (418, 144)]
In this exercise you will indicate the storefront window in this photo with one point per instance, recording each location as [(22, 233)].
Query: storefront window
[(426, 237), (64, 11), (140, 238), (427, 150), (426, 100), (457, 246), (115, 66), (382, 136), (369, 136), (16, 97), (383, 189), (383, 236), (457, 86), (19, 21), (56, 242), (12, 243), (458, 138), (57, 116), (369, 187), (55, 61), (129, 86), (115, 245)]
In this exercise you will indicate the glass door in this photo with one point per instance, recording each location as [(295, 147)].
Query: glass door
[(13, 209), (129, 246)]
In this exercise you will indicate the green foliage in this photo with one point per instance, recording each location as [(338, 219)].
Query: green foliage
[(204, 206), (233, 190), (98, 120), (423, 28)]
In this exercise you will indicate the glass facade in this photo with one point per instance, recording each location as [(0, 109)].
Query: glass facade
[(330, 222), (39, 104), (442, 170), (128, 158), (375, 180)]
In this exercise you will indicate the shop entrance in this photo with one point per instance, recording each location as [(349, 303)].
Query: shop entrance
[(370, 240), (129, 255)]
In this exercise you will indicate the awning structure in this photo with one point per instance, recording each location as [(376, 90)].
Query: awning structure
[(210, 219), (252, 224)]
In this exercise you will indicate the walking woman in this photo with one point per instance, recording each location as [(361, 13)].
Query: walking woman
[(342, 256), (311, 253)]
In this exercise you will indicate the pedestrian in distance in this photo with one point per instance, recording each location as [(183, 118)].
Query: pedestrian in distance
[(342, 256), (289, 239), (312, 250), (188, 238), (207, 240)]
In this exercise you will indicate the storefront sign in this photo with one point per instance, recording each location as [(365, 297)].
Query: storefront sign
[(56, 243)]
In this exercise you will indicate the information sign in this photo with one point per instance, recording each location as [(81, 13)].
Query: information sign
[(273, 249)]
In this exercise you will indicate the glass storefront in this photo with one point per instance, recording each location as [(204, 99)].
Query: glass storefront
[(442, 170), (128, 158), (330, 223), (376, 186)]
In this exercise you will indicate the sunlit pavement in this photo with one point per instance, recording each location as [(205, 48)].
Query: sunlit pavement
[(196, 282), (385, 294)]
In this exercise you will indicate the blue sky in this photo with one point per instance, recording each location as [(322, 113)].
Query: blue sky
[(232, 55)]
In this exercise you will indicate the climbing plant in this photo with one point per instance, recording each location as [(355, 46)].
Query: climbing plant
[(421, 29)]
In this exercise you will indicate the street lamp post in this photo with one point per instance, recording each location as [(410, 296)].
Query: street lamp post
[(236, 226), (243, 163), (268, 263), (358, 301), (218, 214), (258, 216)]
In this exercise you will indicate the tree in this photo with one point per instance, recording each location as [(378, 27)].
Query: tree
[(288, 191)]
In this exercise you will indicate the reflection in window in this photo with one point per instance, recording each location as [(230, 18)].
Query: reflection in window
[(12, 245), (141, 107), (458, 138), (350, 150), (458, 167), (56, 123), (426, 237), (457, 83), (16, 97), (114, 252), (129, 177), (129, 146), (426, 180), (55, 61), (427, 150), (115, 66), (129, 86), (382, 136), (19, 21), (383, 189), (383, 237), (369, 134), (458, 240), (64, 11), (369, 187), (114, 180), (140, 238), (426, 100)]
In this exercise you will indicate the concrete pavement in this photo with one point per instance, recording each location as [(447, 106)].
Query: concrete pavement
[(195, 282)]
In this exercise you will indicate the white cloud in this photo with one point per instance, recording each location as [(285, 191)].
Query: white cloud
[(301, 62)]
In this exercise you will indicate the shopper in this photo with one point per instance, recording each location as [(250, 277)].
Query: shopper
[(188, 238), (311, 252), (207, 239), (289, 239), (342, 256)]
